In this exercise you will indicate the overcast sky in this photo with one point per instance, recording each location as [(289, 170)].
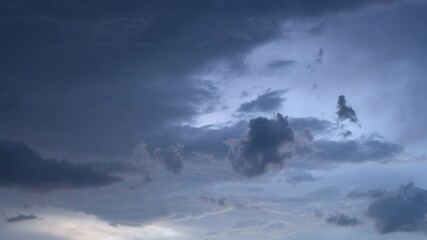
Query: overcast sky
[(213, 119)]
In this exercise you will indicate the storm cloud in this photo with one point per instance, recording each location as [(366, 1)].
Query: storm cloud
[(126, 68), (264, 145), (22, 167)]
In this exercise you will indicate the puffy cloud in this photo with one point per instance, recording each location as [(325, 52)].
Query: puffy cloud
[(266, 102), (265, 144), (21, 167), (21, 217), (401, 211), (345, 112), (343, 220)]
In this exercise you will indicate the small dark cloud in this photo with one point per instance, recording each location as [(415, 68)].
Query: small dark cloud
[(222, 202), (171, 157), (264, 145), (267, 102), (401, 211), (345, 112), (281, 63), (21, 167), (343, 220), (319, 58), (21, 217), (314, 86), (347, 133), (318, 214)]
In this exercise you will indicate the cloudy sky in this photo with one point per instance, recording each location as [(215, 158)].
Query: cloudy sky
[(213, 119)]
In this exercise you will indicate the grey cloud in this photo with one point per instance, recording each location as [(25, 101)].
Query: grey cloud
[(124, 68), (357, 150), (222, 202), (21, 167), (20, 218), (171, 157), (319, 58), (311, 123), (343, 220), (267, 102), (373, 193), (280, 64), (401, 211), (207, 139), (263, 145), (299, 176), (345, 112)]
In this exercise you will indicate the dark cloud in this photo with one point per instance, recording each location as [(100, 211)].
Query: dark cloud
[(299, 176), (207, 139), (21, 167), (345, 112), (343, 220), (311, 123), (373, 193), (222, 202), (125, 68), (319, 58), (401, 211), (21, 217), (357, 150), (347, 133), (280, 64), (171, 157), (264, 145), (267, 102)]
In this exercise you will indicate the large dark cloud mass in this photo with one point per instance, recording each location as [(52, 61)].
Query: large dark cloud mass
[(401, 211), (124, 67), (264, 145), (21, 167)]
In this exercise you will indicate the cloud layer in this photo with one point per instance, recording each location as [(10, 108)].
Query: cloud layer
[(21, 167)]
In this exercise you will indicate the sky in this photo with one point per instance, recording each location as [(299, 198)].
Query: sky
[(213, 119)]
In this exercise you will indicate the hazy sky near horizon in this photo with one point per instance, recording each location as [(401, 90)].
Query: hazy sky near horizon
[(191, 119)]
